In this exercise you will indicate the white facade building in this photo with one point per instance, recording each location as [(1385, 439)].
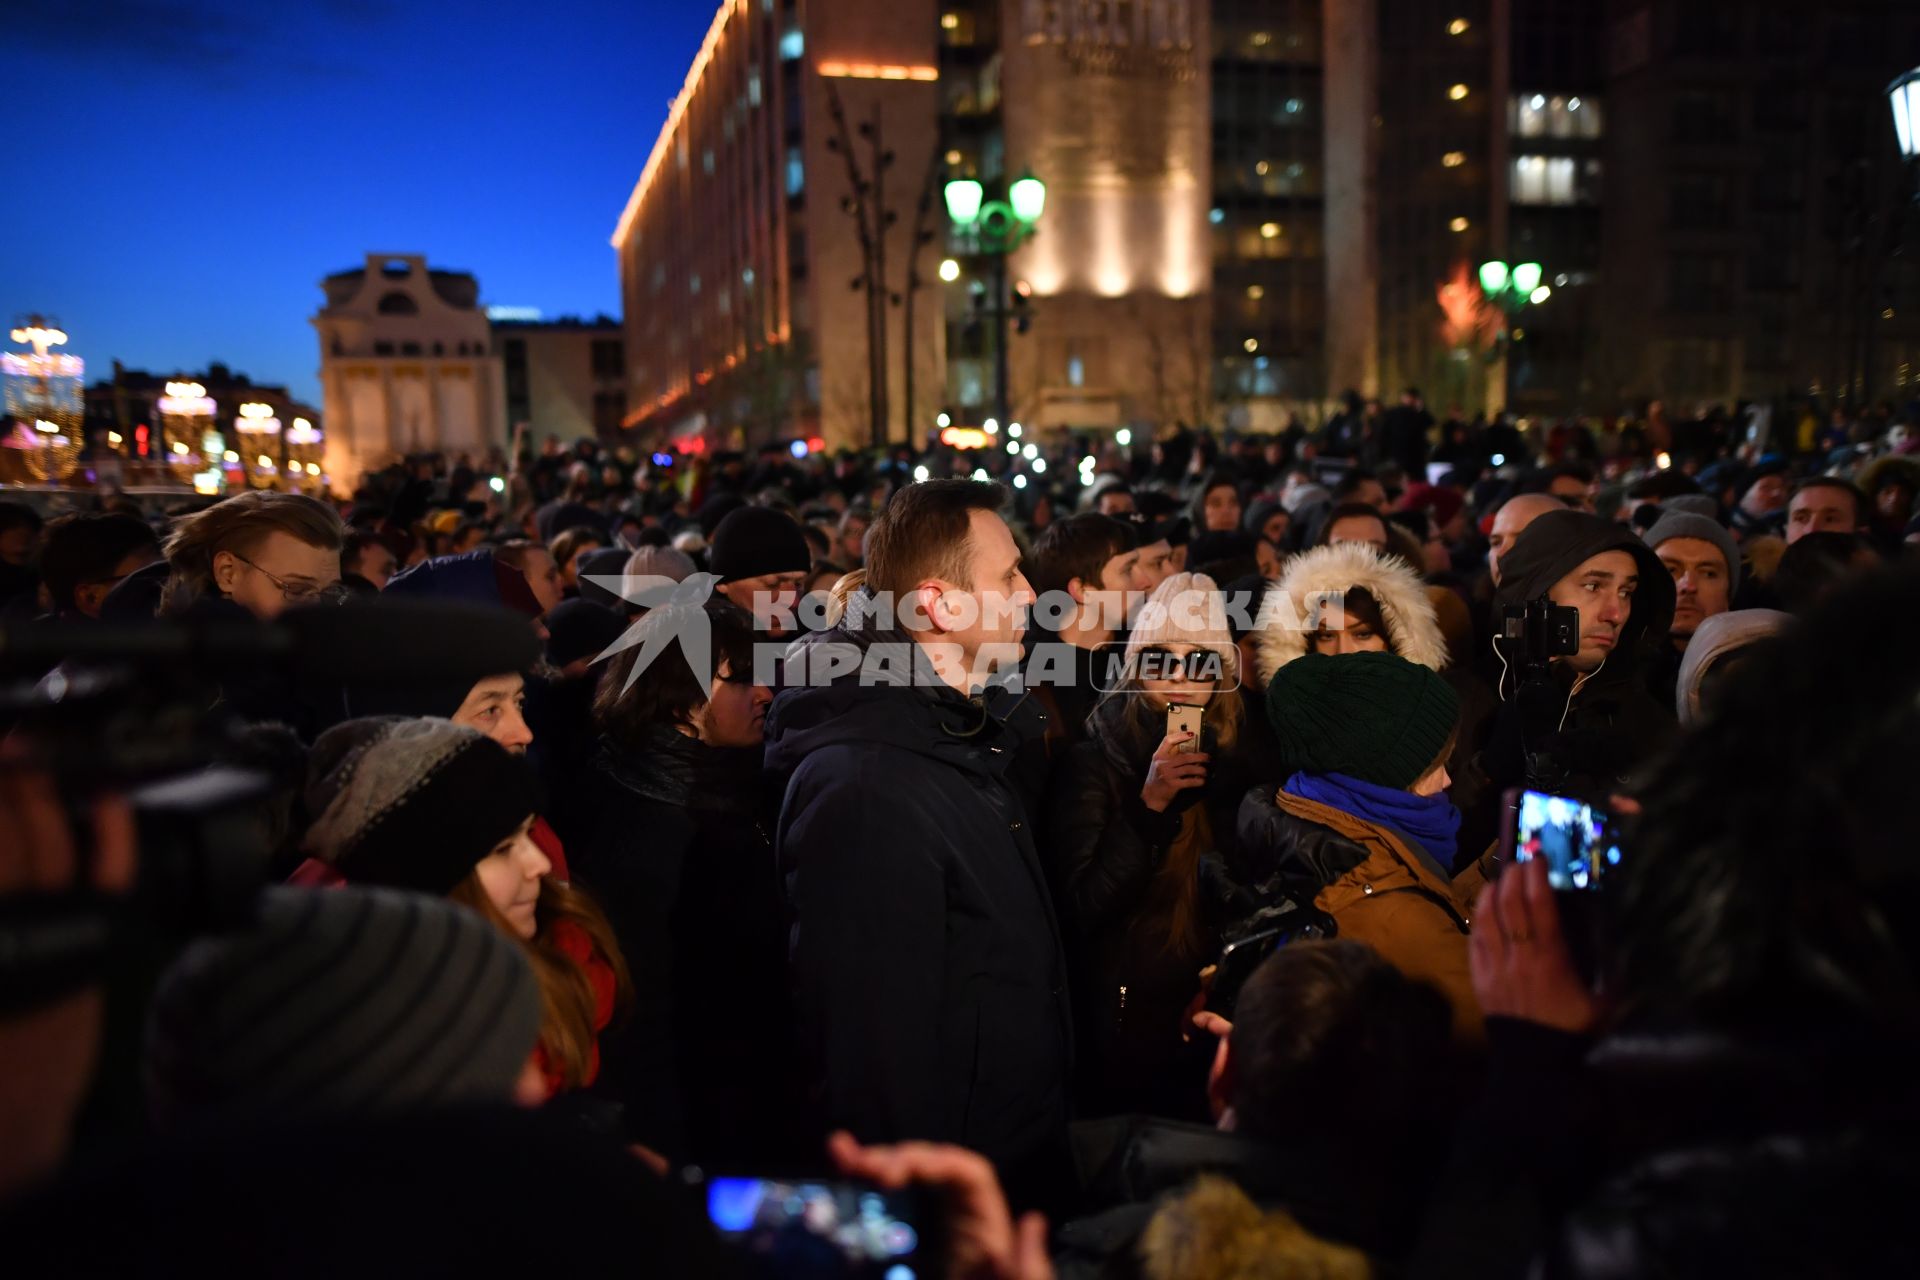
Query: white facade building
[(406, 364)]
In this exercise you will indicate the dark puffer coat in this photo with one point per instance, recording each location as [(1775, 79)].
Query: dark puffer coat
[(930, 980)]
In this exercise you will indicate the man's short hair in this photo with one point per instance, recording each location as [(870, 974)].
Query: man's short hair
[(1848, 487), (1326, 1032), (1660, 486), (1349, 484), (1349, 511), (1569, 470), (1816, 564), (86, 547), (924, 533), (1078, 547)]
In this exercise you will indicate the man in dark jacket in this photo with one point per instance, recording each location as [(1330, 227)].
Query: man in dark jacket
[(1406, 433), (1591, 721), (927, 964)]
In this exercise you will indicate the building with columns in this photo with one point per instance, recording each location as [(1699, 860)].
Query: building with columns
[(406, 365)]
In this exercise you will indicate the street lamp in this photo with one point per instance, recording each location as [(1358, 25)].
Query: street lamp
[(1512, 289), (1903, 95), (993, 229)]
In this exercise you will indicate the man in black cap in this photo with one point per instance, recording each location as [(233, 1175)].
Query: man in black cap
[(761, 559), (1592, 721)]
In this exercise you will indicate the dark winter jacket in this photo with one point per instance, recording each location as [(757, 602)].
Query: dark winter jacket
[(1107, 851), (931, 984), (1148, 1178), (1588, 741), (675, 850)]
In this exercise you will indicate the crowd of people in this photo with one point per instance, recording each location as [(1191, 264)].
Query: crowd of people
[(1116, 841)]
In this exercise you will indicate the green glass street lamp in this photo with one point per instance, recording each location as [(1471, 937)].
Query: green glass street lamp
[(1511, 288), (993, 229)]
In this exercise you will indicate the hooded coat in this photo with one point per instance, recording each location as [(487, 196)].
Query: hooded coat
[(1592, 737), (1413, 629), (1718, 636), (929, 975)]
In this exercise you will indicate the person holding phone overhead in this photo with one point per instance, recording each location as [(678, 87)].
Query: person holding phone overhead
[(1135, 822)]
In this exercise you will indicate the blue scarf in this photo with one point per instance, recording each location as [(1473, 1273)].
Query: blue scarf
[(1431, 823)]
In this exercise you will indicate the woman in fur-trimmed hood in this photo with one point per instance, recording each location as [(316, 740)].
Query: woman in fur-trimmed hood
[(1386, 609)]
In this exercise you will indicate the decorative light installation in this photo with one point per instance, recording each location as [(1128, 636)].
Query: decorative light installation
[(44, 401)]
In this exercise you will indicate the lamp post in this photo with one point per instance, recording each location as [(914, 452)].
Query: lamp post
[(994, 229), (1903, 95), (1512, 289)]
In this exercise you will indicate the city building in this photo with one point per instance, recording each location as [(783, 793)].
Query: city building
[(406, 364), (776, 254), (189, 422), (564, 378), (1756, 202), (1108, 105)]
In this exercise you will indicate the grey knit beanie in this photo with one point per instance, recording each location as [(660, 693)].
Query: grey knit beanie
[(413, 804), (1685, 524), (343, 1001)]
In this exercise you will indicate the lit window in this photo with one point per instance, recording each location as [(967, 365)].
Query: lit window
[(953, 157), (1454, 159), (1262, 168), (1251, 345), (796, 172), (1256, 292), (1294, 106), (693, 286), (706, 161), (1457, 92), (1216, 216), (1458, 27), (1543, 180), (1259, 39), (1268, 230), (1459, 224), (793, 46), (753, 86), (949, 21), (1076, 372)]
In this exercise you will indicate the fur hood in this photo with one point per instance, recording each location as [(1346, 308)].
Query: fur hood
[(1413, 630), (1214, 1232)]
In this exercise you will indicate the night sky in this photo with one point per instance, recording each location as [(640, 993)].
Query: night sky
[(183, 172)]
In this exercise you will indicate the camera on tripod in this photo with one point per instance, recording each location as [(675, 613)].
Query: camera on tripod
[(1540, 631)]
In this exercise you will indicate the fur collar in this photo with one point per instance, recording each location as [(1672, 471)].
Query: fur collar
[(1413, 630), (1214, 1232)]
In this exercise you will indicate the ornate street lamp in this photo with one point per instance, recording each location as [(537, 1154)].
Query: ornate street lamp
[(994, 229), (1903, 95)]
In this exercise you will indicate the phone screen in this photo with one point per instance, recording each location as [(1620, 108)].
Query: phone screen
[(820, 1227), (1571, 836)]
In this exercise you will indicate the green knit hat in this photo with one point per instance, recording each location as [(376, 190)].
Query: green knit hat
[(1373, 716)]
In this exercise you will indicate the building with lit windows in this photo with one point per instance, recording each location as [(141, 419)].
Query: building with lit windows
[(760, 215), (406, 365)]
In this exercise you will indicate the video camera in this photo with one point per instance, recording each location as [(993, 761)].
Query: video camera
[(169, 714), (1533, 635)]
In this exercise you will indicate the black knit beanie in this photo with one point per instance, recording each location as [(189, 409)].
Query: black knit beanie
[(413, 804), (1372, 716), (581, 629), (754, 541), (343, 1001)]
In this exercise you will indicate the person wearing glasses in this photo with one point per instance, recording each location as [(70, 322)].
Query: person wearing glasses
[(1138, 817), (261, 550), (674, 842)]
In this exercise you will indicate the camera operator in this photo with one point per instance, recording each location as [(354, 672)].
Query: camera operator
[(1578, 722)]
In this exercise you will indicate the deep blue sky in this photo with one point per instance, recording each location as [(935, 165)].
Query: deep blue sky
[(183, 172)]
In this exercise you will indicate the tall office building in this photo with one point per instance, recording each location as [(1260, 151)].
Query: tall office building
[(1755, 200), (746, 246)]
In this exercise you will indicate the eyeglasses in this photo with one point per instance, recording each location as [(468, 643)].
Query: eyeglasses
[(288, 590)]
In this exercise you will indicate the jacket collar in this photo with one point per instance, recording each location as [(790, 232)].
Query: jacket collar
[(1386, 852)]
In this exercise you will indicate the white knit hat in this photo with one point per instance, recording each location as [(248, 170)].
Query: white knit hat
[(1187, 608)]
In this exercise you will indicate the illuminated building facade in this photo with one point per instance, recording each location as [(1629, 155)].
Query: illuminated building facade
[(746, 246), (406, 365), (211, 422), (565, 378)]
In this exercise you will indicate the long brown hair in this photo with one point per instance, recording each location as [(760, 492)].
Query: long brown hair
[(1173, 897), (567, 1033)]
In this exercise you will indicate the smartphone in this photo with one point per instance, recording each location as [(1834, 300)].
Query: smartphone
[(823, 1226), (1573, 837), (1185, 720)]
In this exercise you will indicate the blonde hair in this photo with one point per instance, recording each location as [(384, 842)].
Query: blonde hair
[(567, 1032), (239, 525), (841, 593)]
